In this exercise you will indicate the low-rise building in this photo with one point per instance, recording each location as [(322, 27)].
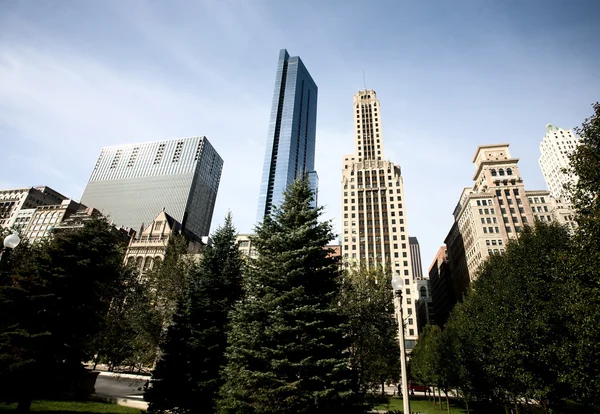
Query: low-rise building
[(148, 248), (244, 242), (14, 200)]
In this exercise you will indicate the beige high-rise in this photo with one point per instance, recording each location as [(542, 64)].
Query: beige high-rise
[(375, 231), (492, 211)]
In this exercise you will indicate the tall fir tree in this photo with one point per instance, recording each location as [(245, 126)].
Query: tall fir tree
[(187, 377), (288, 348)]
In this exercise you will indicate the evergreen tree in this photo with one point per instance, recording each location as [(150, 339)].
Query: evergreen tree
[(22, 338), (55, 296), (187, 377), (288, 348)]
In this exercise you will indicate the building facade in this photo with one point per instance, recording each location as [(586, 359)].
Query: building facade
[(45, 218), (375, 230), (290, 150), (556, 147), (493, 211), (424, 304), (12, 202), (415, 257), (245, 244), (442, 288), (131, 183), (147, 249)]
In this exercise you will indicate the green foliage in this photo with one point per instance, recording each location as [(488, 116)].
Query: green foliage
[(287, 346), (584, 273), (367, 301), (507, 337), (167, 280), (187, 377), (21, 336), (132, 327), (55, 296)]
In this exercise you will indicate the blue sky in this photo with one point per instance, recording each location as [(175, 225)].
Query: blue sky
[(79, 75)]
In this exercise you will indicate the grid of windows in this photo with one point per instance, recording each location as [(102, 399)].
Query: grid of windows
[(135, 193)]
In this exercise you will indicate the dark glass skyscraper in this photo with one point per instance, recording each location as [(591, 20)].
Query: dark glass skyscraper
[(290, 151)]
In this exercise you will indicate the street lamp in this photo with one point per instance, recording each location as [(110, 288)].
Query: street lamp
[(10, 242), (397, 286)]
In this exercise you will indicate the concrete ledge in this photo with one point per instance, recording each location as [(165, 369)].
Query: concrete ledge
[(126, 402), (124, 375)]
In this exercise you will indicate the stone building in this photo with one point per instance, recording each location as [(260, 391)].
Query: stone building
[(375, 226), (147, 248)]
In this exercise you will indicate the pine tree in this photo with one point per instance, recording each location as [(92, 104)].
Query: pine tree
[(287, 345), (187, 377)]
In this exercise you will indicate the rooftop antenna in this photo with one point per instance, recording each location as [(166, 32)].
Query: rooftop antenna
[(364, 80)]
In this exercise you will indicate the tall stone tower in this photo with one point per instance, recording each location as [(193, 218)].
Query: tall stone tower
[(375, 230)]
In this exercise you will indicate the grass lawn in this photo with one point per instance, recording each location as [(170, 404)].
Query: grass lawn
[(44, 406), (423, 406)]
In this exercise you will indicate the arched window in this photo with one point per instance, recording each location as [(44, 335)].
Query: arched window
[(147, 263), (509, 171), (493, 173), (138, 262), (423, 292), (157, 261), (501, 171), (130, 260)]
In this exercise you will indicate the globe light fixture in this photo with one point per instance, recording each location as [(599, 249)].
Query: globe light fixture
[(397, 282), (12, 241)]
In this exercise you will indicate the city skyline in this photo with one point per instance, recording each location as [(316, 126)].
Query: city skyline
[(68, 91)]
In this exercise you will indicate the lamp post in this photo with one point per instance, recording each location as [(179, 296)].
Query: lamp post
[(397, 286), (10, 242)]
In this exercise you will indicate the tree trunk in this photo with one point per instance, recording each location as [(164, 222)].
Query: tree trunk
[(447, 401), (544, 406), (382, 388), (506, 408), (516, 404), (24, 405), (467, 405)]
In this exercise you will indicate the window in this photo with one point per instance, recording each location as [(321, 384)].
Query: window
[(410, 321), (411, 331)]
